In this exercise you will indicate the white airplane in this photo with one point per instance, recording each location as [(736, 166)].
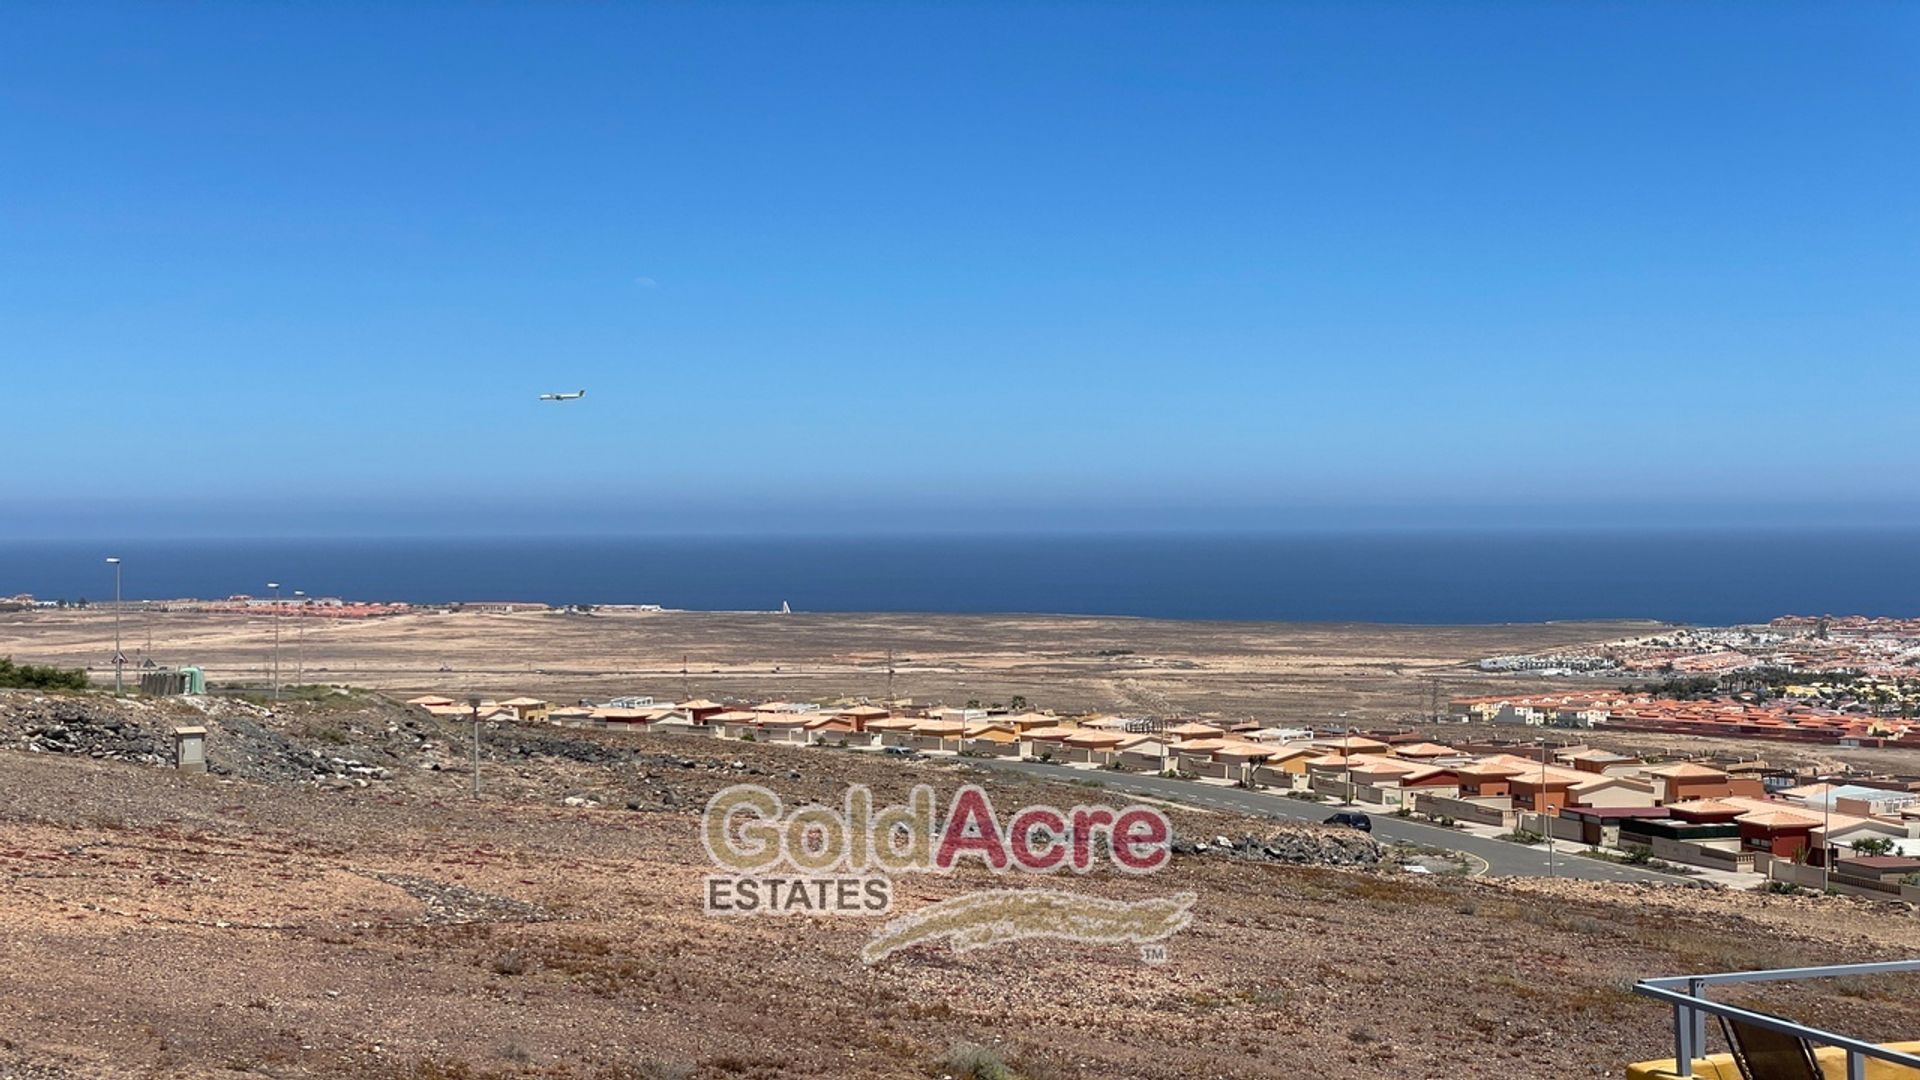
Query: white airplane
[(564, 397)]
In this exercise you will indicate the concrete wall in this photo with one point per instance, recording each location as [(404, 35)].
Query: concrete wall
[(1777, 869), (1335, 787), (1205, 767), (989, 746), (1692, 854), (830, 737), (1560, 828), (1495, 812), (1268, 776)]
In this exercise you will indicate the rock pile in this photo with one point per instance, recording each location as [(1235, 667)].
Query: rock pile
[(141, 732), (1297, 847), (62, 727)]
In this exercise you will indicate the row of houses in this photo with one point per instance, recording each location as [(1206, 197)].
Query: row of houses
[(1791, 720), (1689, 811)]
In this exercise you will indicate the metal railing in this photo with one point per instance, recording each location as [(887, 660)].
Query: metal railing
[(1691, 1007)]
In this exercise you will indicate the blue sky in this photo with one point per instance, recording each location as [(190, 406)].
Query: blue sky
[(304, 268)]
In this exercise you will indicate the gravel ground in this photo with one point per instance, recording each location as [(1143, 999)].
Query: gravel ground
[(270, 920)]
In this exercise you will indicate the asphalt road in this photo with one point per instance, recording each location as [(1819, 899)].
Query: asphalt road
[(1500, 857)]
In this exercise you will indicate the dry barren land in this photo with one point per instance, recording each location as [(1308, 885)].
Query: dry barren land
[(332, 900), (1306, 671)]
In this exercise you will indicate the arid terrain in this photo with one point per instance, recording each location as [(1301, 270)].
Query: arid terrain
[(1309, 672), (1299, 674), (333, 900)]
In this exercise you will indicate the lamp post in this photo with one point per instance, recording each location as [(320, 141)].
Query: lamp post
[(275, 586), (300, 649), (119, 661), (1540, 804), (1826, 838), (1346, 759), (473, 705)]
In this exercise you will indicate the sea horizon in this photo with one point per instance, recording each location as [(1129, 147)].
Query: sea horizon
[(1439, 576)]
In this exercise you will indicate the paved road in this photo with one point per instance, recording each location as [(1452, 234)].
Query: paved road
[(1501, 857)]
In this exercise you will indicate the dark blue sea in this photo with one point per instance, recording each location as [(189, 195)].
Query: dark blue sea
[(1438, 577)]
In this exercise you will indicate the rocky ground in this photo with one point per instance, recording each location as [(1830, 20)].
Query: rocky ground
[(282, 918)]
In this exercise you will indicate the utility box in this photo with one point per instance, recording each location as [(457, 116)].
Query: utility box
[(169, 682), (190, 749)]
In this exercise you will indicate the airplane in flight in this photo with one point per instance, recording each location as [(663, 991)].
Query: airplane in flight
[(564, 397)]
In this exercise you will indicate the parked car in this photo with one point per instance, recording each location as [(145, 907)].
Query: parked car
[(1352, 819)]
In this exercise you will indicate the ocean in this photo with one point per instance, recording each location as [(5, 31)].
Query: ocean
[(1706, 576)]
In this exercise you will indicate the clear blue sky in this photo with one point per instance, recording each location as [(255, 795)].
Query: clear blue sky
[(286, 267)]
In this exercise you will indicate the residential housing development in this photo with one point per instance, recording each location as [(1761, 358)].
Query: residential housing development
[(1738, 817), (1794, 717), (1855, 644)]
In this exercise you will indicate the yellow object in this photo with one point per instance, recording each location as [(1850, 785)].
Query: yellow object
[(1833, 1064)]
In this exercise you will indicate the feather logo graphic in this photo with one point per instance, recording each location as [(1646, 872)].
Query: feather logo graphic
[(995, 917)]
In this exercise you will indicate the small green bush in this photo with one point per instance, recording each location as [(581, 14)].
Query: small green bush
[(39, 677)]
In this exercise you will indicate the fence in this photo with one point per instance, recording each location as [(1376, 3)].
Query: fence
[(1691, 1007)]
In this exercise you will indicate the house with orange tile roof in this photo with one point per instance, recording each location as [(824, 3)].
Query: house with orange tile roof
[(1091, 745), (1045, 742), (837, 729), (1602, 762), (1285, 766), (1194, 730), (940, 732), (1681, 781), (1349, 744), (733, 723), (859, 716), (892, 730), (1145, 753), (1543, 789), (1784, 834), (527, 710), (994, 731), (1027, 721), (1425, 751), (615, 718), (699, 710), (1602, 791)]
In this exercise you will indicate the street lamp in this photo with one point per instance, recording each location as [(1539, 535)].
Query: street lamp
[(1346, 758), (1540, 804), (119, 661), (473, 705), (300, 650), (1826, 838), (275, 586)]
